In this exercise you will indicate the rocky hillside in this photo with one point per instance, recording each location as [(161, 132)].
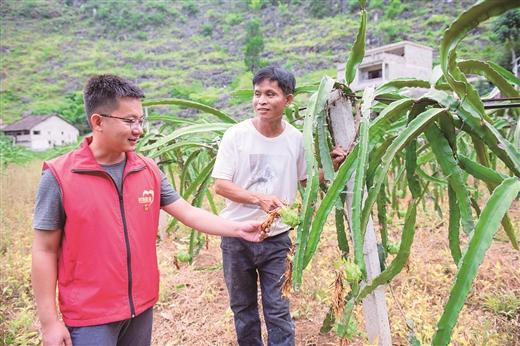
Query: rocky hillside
[(195, 49)]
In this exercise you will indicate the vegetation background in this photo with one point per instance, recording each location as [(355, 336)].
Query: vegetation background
[(196, 49), (204, 51)]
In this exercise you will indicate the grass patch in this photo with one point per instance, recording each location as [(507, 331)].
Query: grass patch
[(506, 304)]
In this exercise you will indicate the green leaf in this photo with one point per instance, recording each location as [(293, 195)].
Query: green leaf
[(421, 173), (170, 119), (485, 229), (200, 179), (454, 225), (415, 128), (491, 74), (516, 135), (316, 105), (375, 158), (382, 200), (450, 168), (359, 180), (342, 176), (470, 100), (322, 134), (188, 170), (179, 145), (322, 131), (188, 130), (306, 89), (398, 84), (484, 130), (479, 171), (411, 159), (505, 73), (358, 50), (192, 104), (512, 153), (386, 118), (407, 236), (339, 217)]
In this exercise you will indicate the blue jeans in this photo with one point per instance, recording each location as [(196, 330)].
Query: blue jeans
[(135, 331), (245, 262)]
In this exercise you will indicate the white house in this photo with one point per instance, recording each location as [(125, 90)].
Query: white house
[(397, 60), (41, 132)]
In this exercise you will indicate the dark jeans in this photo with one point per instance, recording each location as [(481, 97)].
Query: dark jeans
[(135, 331), (245, 262)]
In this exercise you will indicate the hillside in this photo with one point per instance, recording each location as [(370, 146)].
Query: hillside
[(194, 49)]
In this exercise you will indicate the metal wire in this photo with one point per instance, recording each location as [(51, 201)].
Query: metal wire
[(501, 99), (506, 105)]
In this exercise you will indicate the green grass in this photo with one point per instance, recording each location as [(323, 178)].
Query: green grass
[(505, 304)]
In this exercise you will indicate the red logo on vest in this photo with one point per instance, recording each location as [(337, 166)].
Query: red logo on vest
[(146, 199)]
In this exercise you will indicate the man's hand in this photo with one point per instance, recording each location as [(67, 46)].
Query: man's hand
[(56, 334), (250, 230), (338, 155), (268, 202)]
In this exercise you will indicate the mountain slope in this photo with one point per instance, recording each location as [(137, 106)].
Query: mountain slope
[(193, 49)]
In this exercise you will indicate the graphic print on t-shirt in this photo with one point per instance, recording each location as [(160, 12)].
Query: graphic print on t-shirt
[(265, 170)]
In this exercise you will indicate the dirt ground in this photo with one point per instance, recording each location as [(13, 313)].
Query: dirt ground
[(193, 307)]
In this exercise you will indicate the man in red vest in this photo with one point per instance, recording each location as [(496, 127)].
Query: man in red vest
[(96, 219)]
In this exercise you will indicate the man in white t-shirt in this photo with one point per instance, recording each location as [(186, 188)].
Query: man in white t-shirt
[(258, 167)]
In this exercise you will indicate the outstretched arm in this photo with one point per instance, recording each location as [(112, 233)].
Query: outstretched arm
[(206, 222), (44, 276)]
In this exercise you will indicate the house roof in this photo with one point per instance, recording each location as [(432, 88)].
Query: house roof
[(26, 123)]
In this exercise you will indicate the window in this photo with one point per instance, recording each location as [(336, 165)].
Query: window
[(375, 74), (35, 132)]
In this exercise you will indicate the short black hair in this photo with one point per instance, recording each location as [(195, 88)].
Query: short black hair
[(284, 78), (102, 91)]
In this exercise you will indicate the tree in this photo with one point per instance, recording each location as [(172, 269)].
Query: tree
[(507, 29), (254, 45), (74, 111)]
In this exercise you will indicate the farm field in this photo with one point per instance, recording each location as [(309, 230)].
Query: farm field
[(193, 305), (432, 160)]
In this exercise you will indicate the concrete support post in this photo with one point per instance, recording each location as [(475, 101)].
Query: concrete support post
[(344, 128)]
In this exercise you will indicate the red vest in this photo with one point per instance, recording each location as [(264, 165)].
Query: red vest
[(107, 266)]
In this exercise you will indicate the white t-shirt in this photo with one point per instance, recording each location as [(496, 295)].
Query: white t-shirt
[(271, 166)]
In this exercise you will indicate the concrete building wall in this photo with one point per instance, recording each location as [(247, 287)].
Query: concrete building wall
[(399, 60), (24, 140), (418, 56), (52, 132)]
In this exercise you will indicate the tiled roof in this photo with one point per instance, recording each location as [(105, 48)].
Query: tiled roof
[(26, 123)]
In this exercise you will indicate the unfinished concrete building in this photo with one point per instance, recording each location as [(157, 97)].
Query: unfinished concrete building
[(397, 60)]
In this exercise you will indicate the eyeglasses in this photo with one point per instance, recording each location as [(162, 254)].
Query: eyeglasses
[(131, 122)]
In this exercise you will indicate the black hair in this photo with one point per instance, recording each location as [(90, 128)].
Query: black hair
[(284, 78), (102, 92)]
